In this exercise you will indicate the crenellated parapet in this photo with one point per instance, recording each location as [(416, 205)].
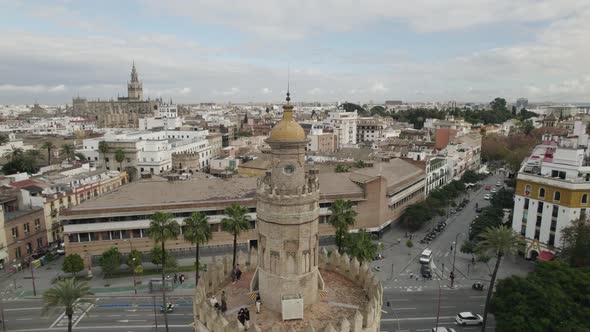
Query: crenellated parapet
[(366, 319)]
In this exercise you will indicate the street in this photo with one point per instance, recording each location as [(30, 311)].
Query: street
[(413, 300), (107, 313), (417, 311)]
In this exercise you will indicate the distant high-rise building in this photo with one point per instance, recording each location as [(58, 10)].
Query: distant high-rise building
[(521, 103), (393, 102)]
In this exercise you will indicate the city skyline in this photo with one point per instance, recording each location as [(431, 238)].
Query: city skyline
[(220, 52)]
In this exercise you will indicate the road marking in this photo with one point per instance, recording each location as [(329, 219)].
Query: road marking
[(82, 315), (23, 309), (114, 316), (24, 319), (58, 320), (130, 320), (414, 318)]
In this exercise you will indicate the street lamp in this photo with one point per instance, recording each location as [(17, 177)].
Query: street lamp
[(454, 257), (133, 267)]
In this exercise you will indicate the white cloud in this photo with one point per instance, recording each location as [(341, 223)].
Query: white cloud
[(31, 88), (314, 92), (265, 91), (185, 91), (378, 88), (295, 19)]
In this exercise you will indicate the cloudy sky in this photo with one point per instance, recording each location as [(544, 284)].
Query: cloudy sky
[(337, 50)]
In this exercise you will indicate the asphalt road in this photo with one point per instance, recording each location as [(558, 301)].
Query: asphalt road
[(417, 311), (113, 314)]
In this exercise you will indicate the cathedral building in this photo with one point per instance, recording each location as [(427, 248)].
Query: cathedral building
[(124, 112)]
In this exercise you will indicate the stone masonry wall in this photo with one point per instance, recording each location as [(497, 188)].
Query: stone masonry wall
[(366, 319)]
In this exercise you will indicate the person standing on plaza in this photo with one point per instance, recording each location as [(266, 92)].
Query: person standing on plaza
[(175, 278), (242, 316), (258, 302), (238, 272), (247, 318), (223, 302)]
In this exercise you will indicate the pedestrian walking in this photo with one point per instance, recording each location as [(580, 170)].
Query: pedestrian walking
[(247, 318), (223, 302), (258, 301), (175, 278), (181, 279), (242, 316), (411, 275), (238, 272)]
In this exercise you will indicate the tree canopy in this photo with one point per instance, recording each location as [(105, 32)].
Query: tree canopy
[(554, 297), (575, 249), (73, 263), (110, 260), (361, 246)]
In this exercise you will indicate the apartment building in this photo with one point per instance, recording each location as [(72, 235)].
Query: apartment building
[(552, 190), (343, 125), (23, 229), (321, 142), (370, 129)]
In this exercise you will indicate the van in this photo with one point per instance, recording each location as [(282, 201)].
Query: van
[(426, 256)]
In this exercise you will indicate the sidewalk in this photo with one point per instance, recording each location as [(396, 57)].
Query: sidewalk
[(98, 285)]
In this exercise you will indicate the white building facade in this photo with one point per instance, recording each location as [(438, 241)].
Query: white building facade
[(344, 126), (553, 188)]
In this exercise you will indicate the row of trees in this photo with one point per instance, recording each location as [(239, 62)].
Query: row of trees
[(197, 231), (417, 215), (497, 112), (555, 294), (29, 161)]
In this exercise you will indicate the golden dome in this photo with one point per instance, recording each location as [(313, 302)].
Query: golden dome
[(287, 130)]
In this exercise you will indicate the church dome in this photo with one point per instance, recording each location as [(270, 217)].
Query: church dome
[(287, 130)]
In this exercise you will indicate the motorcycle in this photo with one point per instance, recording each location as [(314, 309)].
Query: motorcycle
[(477, 286), (167, 308)]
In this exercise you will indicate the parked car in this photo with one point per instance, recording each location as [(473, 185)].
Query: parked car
[(499, 184), (478, 210), (488, 197), (488, 187), (467, 318), (493, 191)]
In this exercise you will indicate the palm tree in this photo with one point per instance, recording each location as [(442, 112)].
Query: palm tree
[(33, 154), (48, 145), (343, 216), (163, 228), (236, 222), (14, 153), (4, 139), (80, 156), (361, 246), (197, 231), (498, 241), (66, 294), (68, 150), (120, 157), (103, 148)]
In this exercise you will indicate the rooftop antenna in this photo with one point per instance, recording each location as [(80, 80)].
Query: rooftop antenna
[(288, 82)]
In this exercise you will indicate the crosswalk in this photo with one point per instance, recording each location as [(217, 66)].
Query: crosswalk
[(62, 320)]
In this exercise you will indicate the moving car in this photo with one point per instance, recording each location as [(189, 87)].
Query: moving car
[(442, 329), (499, 184), (488, 197), (467, 318), (426, 256), (426, 271), (493, 191)]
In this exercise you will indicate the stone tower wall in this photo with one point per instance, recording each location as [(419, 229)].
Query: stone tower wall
[(365, 319)]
